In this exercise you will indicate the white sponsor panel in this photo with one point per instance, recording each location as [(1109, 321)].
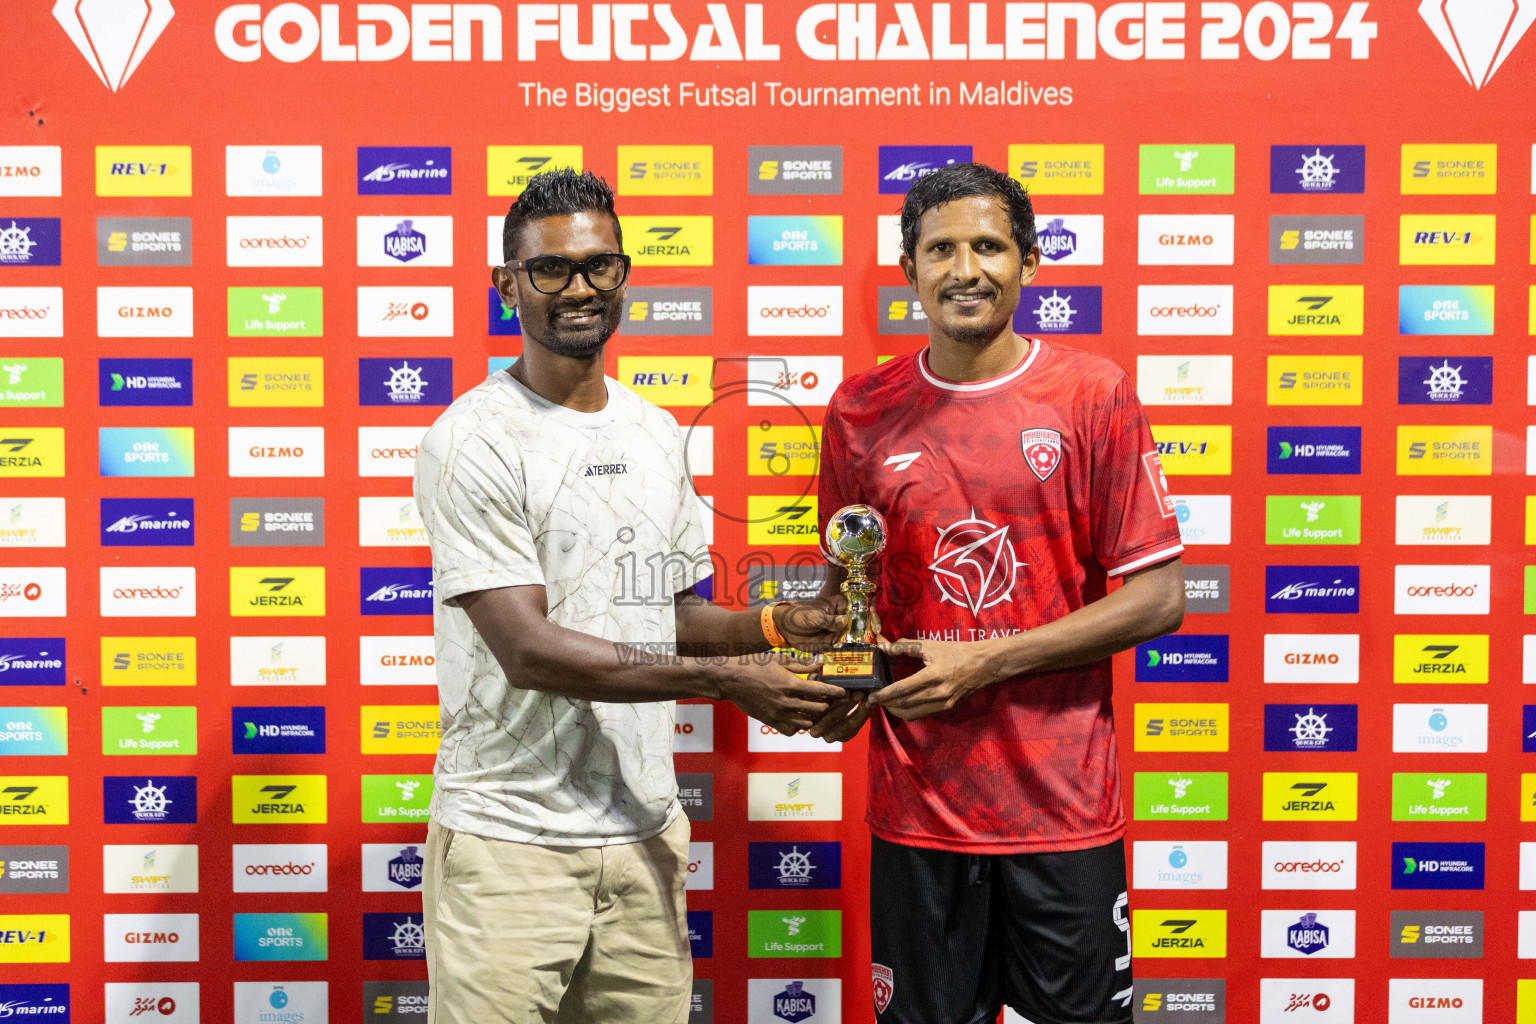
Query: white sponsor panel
[(150, 590), (277, 451), (1530, 372), (149, 867), (700, 442), (693, 731), (888, 240), (31, 171), (277, 661), (794, 796), (149, 938), (404, 240), (762, 739), (1066, 239), (1440, 590), (701, 866), (1185, 240), (764, 995), (274, 242), (495, 224), (794, 311), (1530, 451), (1204, 518), (31, 522), (1528, 659), (272, 171), (1311, 657), (1435, 1001), (1184, 380), (32, 593), (302, 1002), (1197, 309), (1311, 1000), (280, 867), (1307, 934), (396, 661), (792, 381), (1440, 728), (140, 312), (1310, 865), (1527, 866), (1527, 942), (388, 451), (31, 312), (390, 523), (393, 867), (152, 1002), (1444, 519), (405, 312), (1157, 864), (707, 516)]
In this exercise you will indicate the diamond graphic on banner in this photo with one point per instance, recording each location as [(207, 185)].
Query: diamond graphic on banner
[(113, 35), (1478, 35)]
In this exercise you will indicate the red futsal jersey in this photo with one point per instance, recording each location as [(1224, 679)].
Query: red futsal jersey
[(1010, 502)]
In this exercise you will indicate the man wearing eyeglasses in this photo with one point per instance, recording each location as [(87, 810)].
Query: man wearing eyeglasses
[(566, 543)]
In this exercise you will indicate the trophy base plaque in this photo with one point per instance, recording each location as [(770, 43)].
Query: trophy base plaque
[(855, 666)]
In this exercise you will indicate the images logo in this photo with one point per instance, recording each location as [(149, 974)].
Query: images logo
[(901, 166), (1323, 170), (794, 170), (1178, 933), (1183, 659), (404, 171), (1311, 796), (1316, 309), (1445, 309), (281, 937), (795, 241), (1182, 865), (1313, 450), (1058, 170), (1310, 727), (1440, 728), (1187, 170), (1076, 309), (1182, 726), (114, 38), (1439, 658), (272, 170), (1437, 865), (1312, 589), (155, 800)]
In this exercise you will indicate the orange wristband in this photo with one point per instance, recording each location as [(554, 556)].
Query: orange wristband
[(770, 631)]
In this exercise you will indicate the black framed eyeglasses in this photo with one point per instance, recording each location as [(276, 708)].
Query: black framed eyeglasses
[(604, 271)]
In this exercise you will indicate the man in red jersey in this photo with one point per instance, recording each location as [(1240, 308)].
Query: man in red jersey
[(1017, 477)]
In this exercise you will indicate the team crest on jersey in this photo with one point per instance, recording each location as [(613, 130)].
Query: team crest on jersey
[(974, 564), (884, 983), (1042, 451)]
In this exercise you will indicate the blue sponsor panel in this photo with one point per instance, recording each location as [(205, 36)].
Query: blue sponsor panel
[(29, 242), (1312, 589), (1437, 865), (405, 381), (32, 661), (501, 322), (901, 166), (35, 1003), (1307, 450), (1311, 727), (149, 799), (795, 866), (701, 933), (148, 522), (281, 730), (397, 590), (1183, 658), (1317, 170), (1527, 727), (145, 382), (1445, 309), (394, 937), (404, 171), (1444, 380), (1064, 309)]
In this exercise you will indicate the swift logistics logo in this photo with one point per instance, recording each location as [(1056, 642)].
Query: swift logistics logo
[(1183, 658), (1445, 380), (1311, 796), (1311, 728), (1313, 450), (1440, 658), (1064, 309), (794, 796), (1316, 240), (273, 799), (396, 590), (1058, 170), (283, 660), (1317, 309), (901, 166), (1437, 865), (1445, 309), (1182, 727), (144, 382), (1445, 519), (1324, 170), (1312, 589), (1184, 380), (1178, 933), (404, 171), (32, 522), (1180, 796)]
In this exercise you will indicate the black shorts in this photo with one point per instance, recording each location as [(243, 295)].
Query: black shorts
[(955, 936)]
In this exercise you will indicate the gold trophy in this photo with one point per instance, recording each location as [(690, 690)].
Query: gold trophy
[(855, 537)]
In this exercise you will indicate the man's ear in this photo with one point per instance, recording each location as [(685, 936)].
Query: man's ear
[(1031, 265), (505, 283), (909, 269)]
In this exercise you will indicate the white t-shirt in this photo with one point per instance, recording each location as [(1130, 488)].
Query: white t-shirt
[(515, 490)]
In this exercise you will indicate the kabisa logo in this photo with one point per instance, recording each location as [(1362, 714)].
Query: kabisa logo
[(1183, 658), (1056, 241), (405, 243), (32, 661), (794, 865), (147, 522), (1312, 589), (29, 242), (156, 800), (1307, 935), (404, 590), (144, 382), (405, 870), (1317, 169), (397, 382), (1076, 309), (114, 38), (1310, 727), (278, 730), (404, 171), (1296, 451), (901, 166), (1477, 37), (394, 937), (794, 1004), (1437, 865)]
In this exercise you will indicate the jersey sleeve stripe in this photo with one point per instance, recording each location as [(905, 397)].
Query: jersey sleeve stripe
[(1145, 560)]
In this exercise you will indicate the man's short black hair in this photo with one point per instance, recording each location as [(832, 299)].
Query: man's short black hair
[(961, 181), (558, 193)]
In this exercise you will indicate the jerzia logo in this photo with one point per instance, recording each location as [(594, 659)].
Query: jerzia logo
[(1477, 37)]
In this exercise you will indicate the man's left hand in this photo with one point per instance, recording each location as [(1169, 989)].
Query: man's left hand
[(813, 625), (950, 672)]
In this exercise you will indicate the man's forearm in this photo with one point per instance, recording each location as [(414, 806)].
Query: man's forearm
[(705, 629)]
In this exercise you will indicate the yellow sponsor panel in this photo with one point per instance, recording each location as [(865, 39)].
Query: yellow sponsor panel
[(669, 380), (1530, 311), (1316, 309), (34, 939), (1449, 170), (1058, 170), (1446, 239), (275, 799), (1182, 726), (401, 728), (1179, 933), (143, 170), (277, 590), (1530, 519), (781, 519), (34, 800), (1444, 451), (1533, 238), (681, 241), (1440, 658), (149, 661), (1311, 796), (1525, 1001), (508, 168), (1315, 380), (783, 451), (1194, 450), (271, 381), (31, 451), (666, 171)]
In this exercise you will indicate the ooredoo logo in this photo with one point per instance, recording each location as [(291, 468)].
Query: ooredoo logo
[(1309, 865), (31, 312), (794, 311), (1184, 309), (273, 242), (387, 451), (152, 590), (1441, 590)]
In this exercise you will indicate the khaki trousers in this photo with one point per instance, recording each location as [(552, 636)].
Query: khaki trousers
[(525, 934)]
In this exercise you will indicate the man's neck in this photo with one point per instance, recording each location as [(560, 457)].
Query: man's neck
[(574, 383), (955, 361)]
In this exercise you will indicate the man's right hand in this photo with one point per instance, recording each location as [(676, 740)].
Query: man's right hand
[(766, 687)]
